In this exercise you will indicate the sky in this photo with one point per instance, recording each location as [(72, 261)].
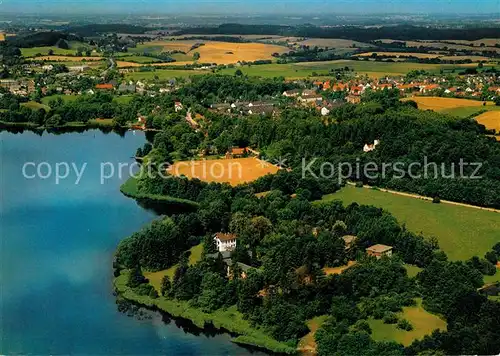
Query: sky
[(244, 7)]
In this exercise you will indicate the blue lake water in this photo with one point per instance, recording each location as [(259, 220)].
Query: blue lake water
[(57, 244)]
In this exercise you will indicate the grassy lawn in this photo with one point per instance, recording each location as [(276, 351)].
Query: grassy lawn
[(139, 59), (155, 278), (424, 323), (35, 106), (412, 270), (123, 99), (101, 122), (470, 110), (462, 232), (32, 52), (492, 279), (65, 98)]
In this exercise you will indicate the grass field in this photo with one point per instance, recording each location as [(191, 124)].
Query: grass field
[(424, 323), (140, 59), (462, 232), (306, 69), (32, 52), (163, 74), (63, 58), (45, 100), (467, 111), (333, 43), (233, 171), (155, 278), (36, 106), (490, 119), (426, 55), (400, 54)]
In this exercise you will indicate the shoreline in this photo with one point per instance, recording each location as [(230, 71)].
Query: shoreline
[(130, 190), (228, 320)]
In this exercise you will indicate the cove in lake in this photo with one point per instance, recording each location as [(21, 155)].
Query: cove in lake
[(57, 245)]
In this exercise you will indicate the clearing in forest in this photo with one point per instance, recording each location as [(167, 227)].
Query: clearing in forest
[(233, 171), (423, 322)]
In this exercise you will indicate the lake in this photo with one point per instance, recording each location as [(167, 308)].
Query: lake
[(57, 245)]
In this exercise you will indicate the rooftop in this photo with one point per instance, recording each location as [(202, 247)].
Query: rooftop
[(225, 236), (379, 248)]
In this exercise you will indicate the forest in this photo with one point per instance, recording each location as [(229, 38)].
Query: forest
[(287, 240)]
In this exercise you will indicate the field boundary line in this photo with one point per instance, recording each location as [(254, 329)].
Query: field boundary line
[(416, 196)]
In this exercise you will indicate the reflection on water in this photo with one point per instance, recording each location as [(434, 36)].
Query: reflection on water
[(57, 245)]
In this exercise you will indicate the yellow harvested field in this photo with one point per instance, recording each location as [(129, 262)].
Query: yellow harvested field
[(439, 104), (123, 64), (233, 171), (399, 54), (65, 58), (2, 36), (491, 120), (223, 52)]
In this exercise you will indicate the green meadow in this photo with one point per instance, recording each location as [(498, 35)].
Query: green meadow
[(306, 69), (163, 74), (462, 232), (423, 322), (470, 110)]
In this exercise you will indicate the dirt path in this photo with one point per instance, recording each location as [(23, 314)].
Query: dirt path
[(416, 196)]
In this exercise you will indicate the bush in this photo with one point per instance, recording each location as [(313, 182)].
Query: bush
[(146, 289), (359, 184), (390, 318), (436, 200), (404, 324)]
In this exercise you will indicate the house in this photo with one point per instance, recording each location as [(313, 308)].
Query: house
[(267, 109), (107, 86), (226, 258), (235, 152), (291, 93), (369, 148), (225, 241), (430, 87), (178, 106), (324, 111), (48, 67), (306, 99), (126, 88), (79, 69), (353, 99), (221, 107), (349, 241), (379, 250)]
